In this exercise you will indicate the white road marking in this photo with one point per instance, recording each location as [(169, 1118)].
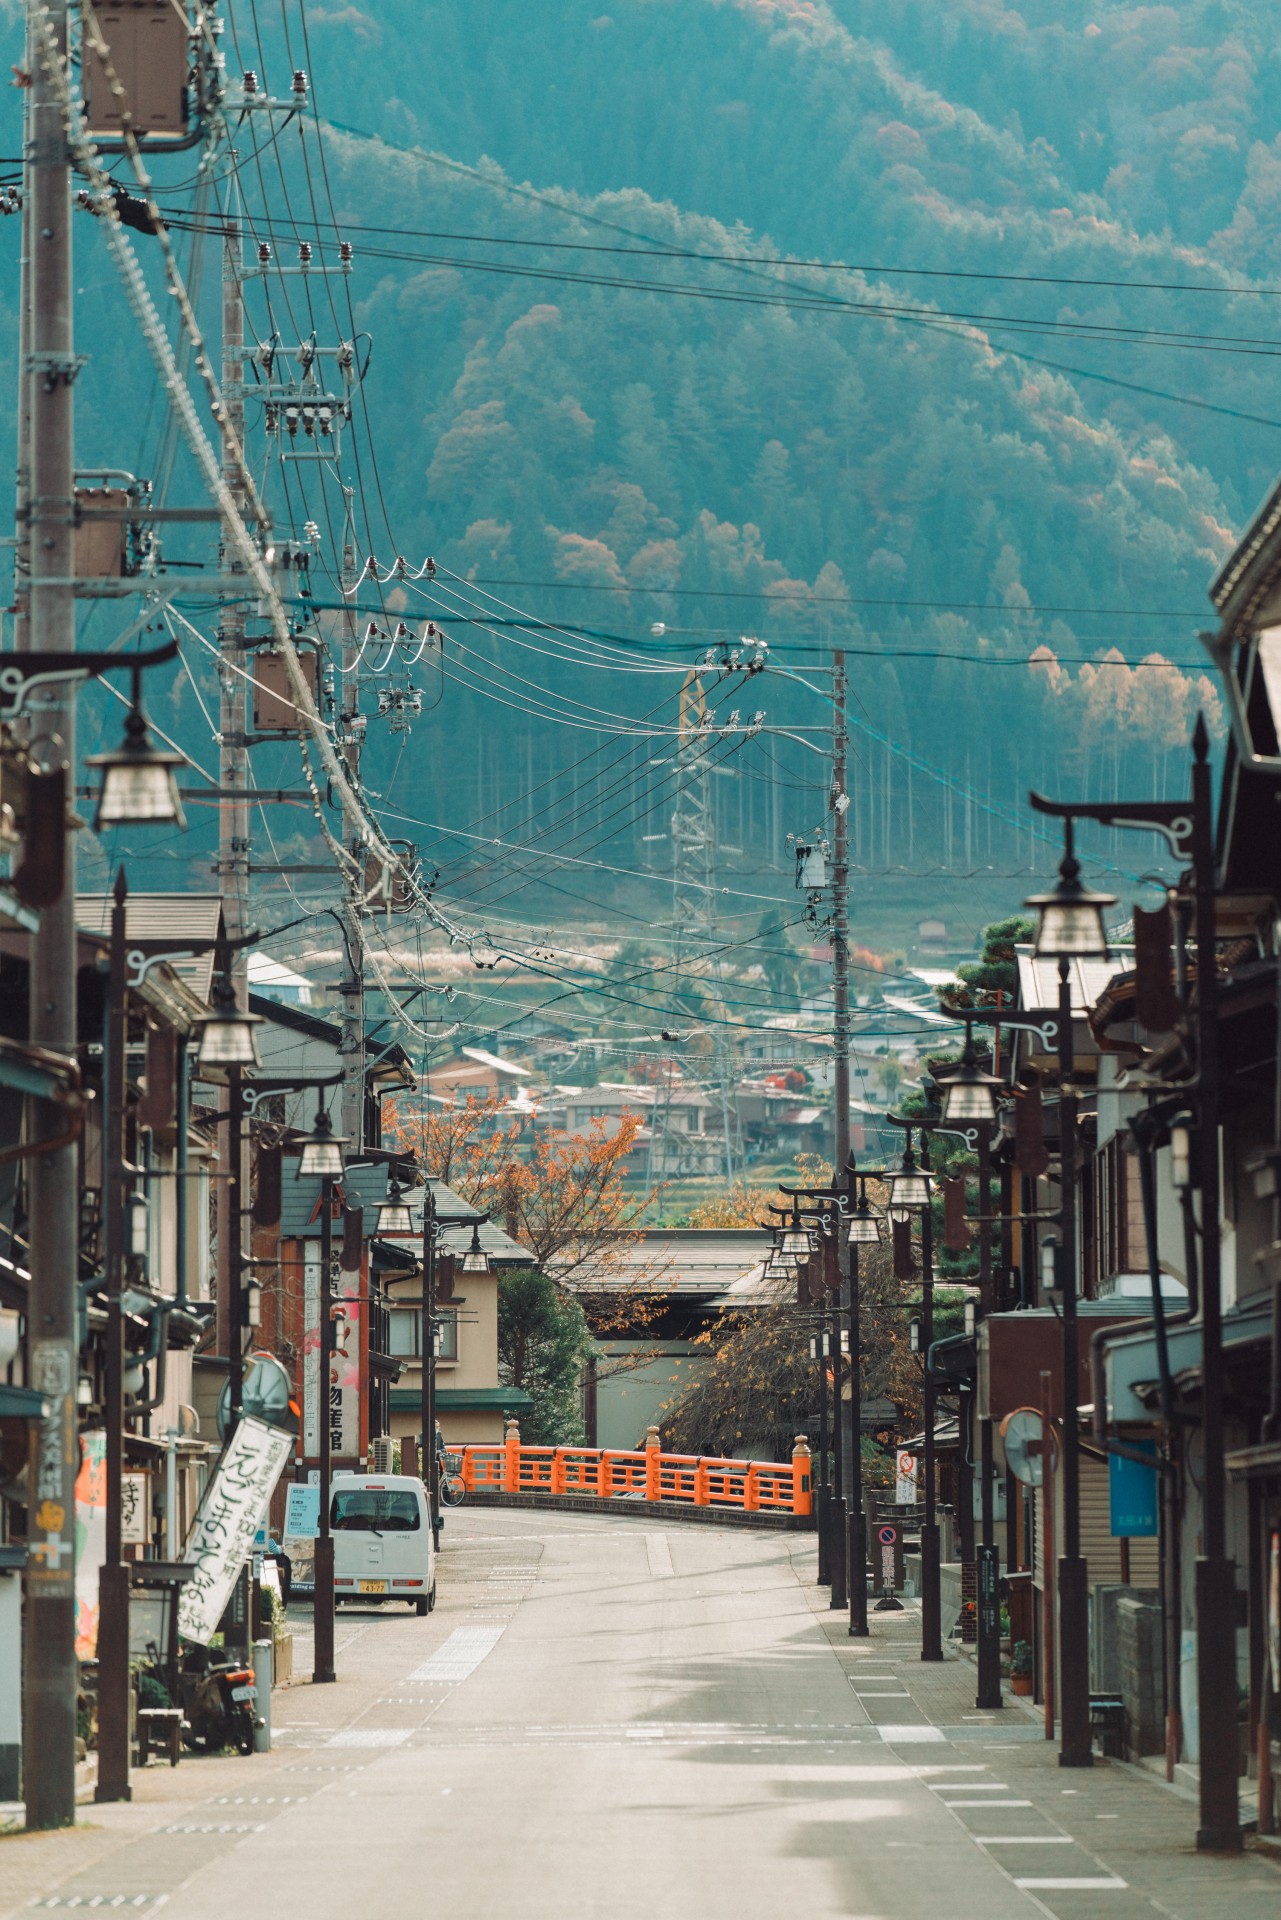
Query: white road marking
[(987, 1803), (659, 1555), (1067, 1883), (458, 1657), (1024, 1840), (907, 1736), (369, 1737)]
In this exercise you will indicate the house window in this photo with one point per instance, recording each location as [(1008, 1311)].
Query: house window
[(404, 1333)]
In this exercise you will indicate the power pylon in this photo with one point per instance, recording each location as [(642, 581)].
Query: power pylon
[(695, 963)]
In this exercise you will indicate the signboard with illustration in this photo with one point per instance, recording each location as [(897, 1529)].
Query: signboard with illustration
[(91, 1539), (229, 1516)]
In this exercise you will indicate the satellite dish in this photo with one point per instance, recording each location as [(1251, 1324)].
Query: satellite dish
[(1023, 1434)]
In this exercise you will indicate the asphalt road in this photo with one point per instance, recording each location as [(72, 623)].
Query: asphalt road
[(605, 1717)]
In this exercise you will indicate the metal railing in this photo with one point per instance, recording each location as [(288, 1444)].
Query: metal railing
[(748, 1486)]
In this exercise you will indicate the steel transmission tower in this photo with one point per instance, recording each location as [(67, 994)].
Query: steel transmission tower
[(695, 965)]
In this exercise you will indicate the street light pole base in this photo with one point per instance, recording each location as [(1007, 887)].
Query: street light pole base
[(1220, 1840)]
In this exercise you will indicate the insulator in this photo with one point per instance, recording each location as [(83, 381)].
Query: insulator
[(384, 701), (325, 419), (264, 254), (402, 631), (415, 701), (304, 253), (300, 84), (344, 252), (250, 82), (270, 419), (311, 533), (291, 419)]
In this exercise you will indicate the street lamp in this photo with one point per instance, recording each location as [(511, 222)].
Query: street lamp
[(910, 1186), (322, 1158), (138, 781), (228, 1035), (1070, 922), (865, 1228), (393, 1215), (1070, 926), (475, 1260), (970, 1094)]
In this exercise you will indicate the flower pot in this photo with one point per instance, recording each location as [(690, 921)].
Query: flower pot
[(1021, 1683)]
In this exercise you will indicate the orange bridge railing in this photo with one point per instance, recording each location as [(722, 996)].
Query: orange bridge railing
[(748, 1486)]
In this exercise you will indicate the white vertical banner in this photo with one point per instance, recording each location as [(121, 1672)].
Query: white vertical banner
[(230, 1515), (905, 1480), (311, 1350)]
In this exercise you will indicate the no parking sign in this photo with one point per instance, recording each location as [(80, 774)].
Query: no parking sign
[(905, 1480)]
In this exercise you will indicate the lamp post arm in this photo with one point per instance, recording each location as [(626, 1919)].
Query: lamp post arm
[(1172, 820)]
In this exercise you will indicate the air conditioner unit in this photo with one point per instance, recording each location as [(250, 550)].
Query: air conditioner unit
[(380, 1460)]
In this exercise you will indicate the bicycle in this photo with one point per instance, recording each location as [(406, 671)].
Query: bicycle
[(452, 1490)]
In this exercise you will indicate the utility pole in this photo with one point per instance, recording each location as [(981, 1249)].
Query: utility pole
[(351, 988), (1216, 1593), (843, 1514), (47, 373), (1076, 1739), (233, 778), (840, 917)]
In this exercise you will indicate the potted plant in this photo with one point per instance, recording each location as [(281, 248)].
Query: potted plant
[(1021, 1667)]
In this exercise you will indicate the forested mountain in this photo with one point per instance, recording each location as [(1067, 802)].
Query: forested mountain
[(1010, 433)]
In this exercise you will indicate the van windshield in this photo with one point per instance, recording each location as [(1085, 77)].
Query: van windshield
[(356, 1510)]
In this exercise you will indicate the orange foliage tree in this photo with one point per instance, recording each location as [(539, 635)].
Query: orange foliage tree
[(561, 1195)]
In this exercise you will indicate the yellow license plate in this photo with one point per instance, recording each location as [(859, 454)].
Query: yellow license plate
[(373, 1586)]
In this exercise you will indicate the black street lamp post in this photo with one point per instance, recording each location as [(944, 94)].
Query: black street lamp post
[(322, 1155), (1188, 831)]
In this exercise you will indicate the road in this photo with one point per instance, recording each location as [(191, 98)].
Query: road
[(605, 1717)]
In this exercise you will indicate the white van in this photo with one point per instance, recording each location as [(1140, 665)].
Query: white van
[(383, 1547)]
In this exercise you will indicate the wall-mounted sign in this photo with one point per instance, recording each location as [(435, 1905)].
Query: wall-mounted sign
[(135, 1509)]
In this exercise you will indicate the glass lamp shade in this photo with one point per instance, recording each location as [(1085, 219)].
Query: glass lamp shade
[(780, 1265), (1070, 920), (321, 1157), (475, 1260), (795, 1242), (228, 1036), (865, 1228), (394, 1216), (909, 1189), (970, 1095), (138, 781), (900, 1216)]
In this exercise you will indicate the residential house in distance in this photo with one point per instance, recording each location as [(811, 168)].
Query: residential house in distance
[(663, 1287), (475, 1074)]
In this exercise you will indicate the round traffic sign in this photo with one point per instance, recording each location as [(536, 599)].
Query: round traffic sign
[(887, 1535)]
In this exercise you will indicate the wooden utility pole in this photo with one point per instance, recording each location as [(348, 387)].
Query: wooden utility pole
[(351, 990), (47, 372), (233, 780)]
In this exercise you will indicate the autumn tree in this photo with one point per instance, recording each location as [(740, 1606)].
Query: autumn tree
[(758, 1387)]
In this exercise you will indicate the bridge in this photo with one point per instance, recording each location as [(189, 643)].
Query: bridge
[(751, 1492)]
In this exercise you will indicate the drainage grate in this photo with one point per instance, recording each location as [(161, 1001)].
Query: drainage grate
[(101, 1900), (226, 1826)]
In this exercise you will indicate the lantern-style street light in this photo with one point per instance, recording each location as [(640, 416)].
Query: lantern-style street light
[(138, 781)]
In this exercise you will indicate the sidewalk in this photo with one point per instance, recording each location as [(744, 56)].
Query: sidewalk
[(1111, 1839)]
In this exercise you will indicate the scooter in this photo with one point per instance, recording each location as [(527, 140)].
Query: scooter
[(218, 1706)]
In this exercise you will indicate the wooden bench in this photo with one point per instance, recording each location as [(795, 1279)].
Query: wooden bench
[(161, 1728)]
